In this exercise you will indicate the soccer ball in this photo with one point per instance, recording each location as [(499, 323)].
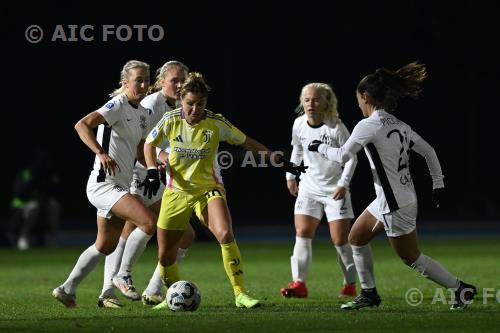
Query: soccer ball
[(183, 296)]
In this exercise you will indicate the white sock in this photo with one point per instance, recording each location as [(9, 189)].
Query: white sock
[(346, 262), (181, 253), (136, 243), (301, 258), (363, 259), (431, 269), (155, 285), (84, 265), (111, 266)]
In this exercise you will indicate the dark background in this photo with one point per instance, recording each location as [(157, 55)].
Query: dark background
[(256, 58)]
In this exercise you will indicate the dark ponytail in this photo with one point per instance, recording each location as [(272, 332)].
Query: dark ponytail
[(386, 87)]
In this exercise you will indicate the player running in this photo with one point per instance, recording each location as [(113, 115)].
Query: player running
[(194, 134), (387, 142)]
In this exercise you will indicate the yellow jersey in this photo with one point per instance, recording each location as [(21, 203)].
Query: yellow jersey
[(193, 149)]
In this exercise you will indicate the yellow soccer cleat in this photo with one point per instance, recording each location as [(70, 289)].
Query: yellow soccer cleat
[(245, 301), (163, 305), (154, 299), (110, 302)]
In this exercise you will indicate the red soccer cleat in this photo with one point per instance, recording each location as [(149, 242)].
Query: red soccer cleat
[(295, 289), (348, 290)]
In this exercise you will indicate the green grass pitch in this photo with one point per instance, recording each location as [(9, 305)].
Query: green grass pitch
[(27, 279)]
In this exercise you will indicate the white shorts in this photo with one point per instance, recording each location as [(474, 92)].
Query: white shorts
[(104, 196), (316, 205), (398, 223), (138, 192)]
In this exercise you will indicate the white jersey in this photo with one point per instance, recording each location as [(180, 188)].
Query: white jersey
[(322, 175), (156, 105), (387, 142), (119, 136)]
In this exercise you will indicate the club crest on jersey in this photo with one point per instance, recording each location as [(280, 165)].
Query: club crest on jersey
[(110, 105), (154, 134), (207, 135), (326, 139), (149, 111), (142, 122)]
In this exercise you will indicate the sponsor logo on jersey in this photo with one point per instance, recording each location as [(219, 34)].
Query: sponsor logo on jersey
[(119, 188), (110, 105), (178, 138)]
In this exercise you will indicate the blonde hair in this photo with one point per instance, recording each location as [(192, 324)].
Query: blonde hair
[(131, 64), (163, 70), (326, 94)]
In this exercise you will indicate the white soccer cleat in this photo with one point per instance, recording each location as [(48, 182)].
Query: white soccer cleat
[(69, 300), (154, 299), (126, 286)]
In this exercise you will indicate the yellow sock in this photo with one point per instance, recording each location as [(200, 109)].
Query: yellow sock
[(233, 264), (169, 274)]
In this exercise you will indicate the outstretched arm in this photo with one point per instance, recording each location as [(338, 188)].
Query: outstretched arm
[(340, 155)]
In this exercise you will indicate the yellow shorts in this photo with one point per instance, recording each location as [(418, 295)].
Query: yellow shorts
[(178, 207)]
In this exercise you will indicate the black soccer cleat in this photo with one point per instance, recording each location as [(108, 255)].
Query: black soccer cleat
[(463, 296), (367, 298)]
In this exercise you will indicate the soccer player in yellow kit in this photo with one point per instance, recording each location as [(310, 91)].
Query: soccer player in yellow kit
[(193, 134)]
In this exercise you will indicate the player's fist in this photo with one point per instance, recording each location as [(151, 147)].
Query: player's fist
[(438, 197), (151, 183)]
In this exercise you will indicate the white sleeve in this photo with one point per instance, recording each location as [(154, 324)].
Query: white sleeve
[(111, 111), (296, 158), (297, 151), (350, 165), (426, 151), (342, 154)]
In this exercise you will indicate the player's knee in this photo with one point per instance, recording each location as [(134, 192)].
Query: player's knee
[(355, 239), (304, 232), (149, 225), (106, 248), (149, 228)]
